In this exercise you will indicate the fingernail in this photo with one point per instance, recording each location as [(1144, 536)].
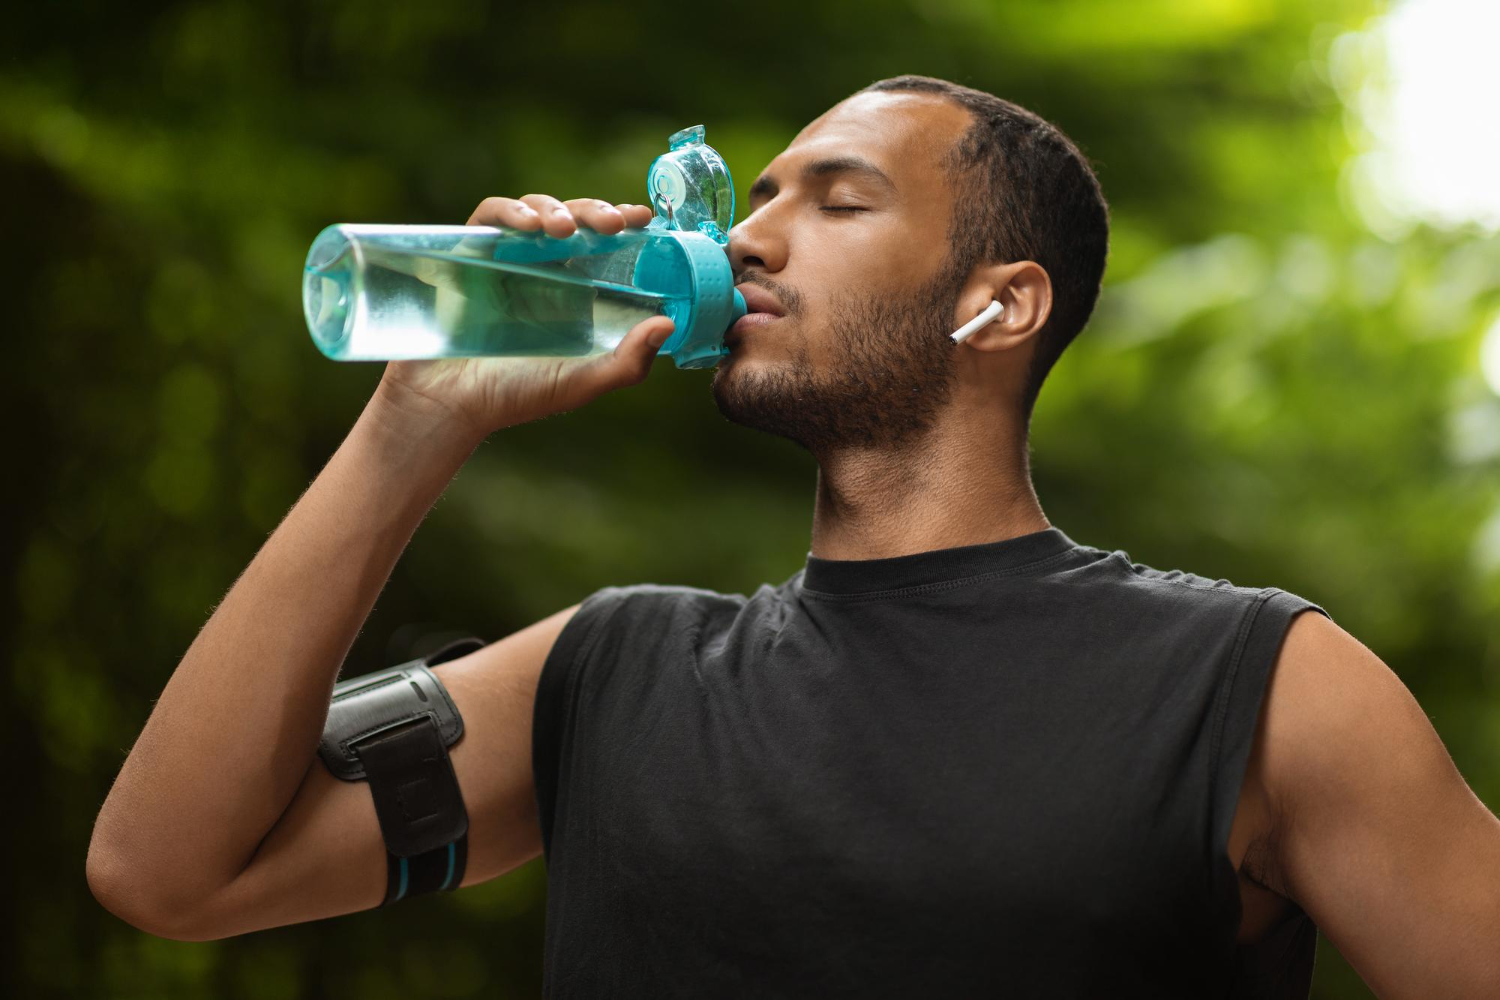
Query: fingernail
[(527, 213), (560, 210)]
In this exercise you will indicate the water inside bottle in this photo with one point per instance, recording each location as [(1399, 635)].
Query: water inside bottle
[(418, 303)]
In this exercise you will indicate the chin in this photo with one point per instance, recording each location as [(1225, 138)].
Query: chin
[(736, 355), (740, 359), (722, 369)]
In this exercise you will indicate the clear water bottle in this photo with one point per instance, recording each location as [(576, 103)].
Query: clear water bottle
[(375, 292)]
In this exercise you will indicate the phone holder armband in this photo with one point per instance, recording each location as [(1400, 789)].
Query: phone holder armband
[(393, 729)]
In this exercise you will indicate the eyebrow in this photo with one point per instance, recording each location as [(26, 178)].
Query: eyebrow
[(764, 185)]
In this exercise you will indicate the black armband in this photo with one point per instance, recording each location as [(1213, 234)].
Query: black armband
[(393, 728)]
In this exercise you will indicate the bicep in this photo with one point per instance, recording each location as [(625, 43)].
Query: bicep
[(1383, 843), (326, 856)]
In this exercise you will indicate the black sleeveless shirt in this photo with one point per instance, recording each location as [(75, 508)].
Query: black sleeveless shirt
[(1005, 769)]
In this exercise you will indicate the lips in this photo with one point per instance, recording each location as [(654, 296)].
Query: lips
[(758, 300)]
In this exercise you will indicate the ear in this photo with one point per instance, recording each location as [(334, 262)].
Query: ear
[(1022, 287)]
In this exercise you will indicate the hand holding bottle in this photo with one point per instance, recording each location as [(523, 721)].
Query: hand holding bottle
[(489, 393)]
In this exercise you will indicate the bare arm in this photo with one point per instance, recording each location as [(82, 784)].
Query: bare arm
[(325, 856), (218, 821), (1381, 840), (238, 723)]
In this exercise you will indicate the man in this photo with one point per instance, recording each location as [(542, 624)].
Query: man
[(955, 754)]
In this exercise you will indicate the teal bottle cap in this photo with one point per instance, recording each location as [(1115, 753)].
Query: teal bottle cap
[(691, 190), (715, 306)]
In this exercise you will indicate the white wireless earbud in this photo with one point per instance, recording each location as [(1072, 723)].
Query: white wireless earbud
[(990, 312)]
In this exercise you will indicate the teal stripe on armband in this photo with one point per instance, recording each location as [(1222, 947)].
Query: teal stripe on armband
[(449, 877), (401, 887)]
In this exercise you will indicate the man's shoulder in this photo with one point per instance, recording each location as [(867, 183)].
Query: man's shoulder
[(1154, 596), (1178, 581), (657, 603), (663, 593)]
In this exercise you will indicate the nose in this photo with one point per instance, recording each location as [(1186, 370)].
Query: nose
[(755, 243)]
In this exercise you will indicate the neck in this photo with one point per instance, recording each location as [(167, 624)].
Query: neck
[(961, 484)]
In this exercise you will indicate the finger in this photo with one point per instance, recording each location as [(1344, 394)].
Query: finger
[(505, 212), (636, 215), (632, 358), (600, 216), (556, 219)]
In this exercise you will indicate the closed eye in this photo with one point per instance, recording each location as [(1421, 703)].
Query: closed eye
[(843, 208)]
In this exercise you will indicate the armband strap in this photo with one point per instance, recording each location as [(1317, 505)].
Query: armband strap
[(393, 728)]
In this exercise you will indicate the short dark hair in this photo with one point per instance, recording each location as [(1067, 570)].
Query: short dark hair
[(1024, 192)]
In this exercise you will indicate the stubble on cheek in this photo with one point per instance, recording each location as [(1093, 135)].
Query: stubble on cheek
[(882, 370)]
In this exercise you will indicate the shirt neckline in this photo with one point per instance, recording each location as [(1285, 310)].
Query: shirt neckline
[(935, 566)]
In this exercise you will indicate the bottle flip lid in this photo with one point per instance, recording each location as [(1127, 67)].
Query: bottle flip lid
[(690, 188)]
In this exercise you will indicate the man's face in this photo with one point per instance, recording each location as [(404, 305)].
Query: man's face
[(847, 239)]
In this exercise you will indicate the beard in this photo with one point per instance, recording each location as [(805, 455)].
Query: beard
[(890, 373)]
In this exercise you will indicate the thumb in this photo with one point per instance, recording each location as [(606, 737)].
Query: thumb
[(631, 360), (635, 354)]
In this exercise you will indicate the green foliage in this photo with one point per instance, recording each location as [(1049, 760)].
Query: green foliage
[(1267, 392)]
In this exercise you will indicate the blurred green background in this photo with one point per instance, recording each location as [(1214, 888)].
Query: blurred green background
[(1280, 386)]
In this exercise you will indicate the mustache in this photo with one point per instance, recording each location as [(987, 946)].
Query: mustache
[(789, 297)]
